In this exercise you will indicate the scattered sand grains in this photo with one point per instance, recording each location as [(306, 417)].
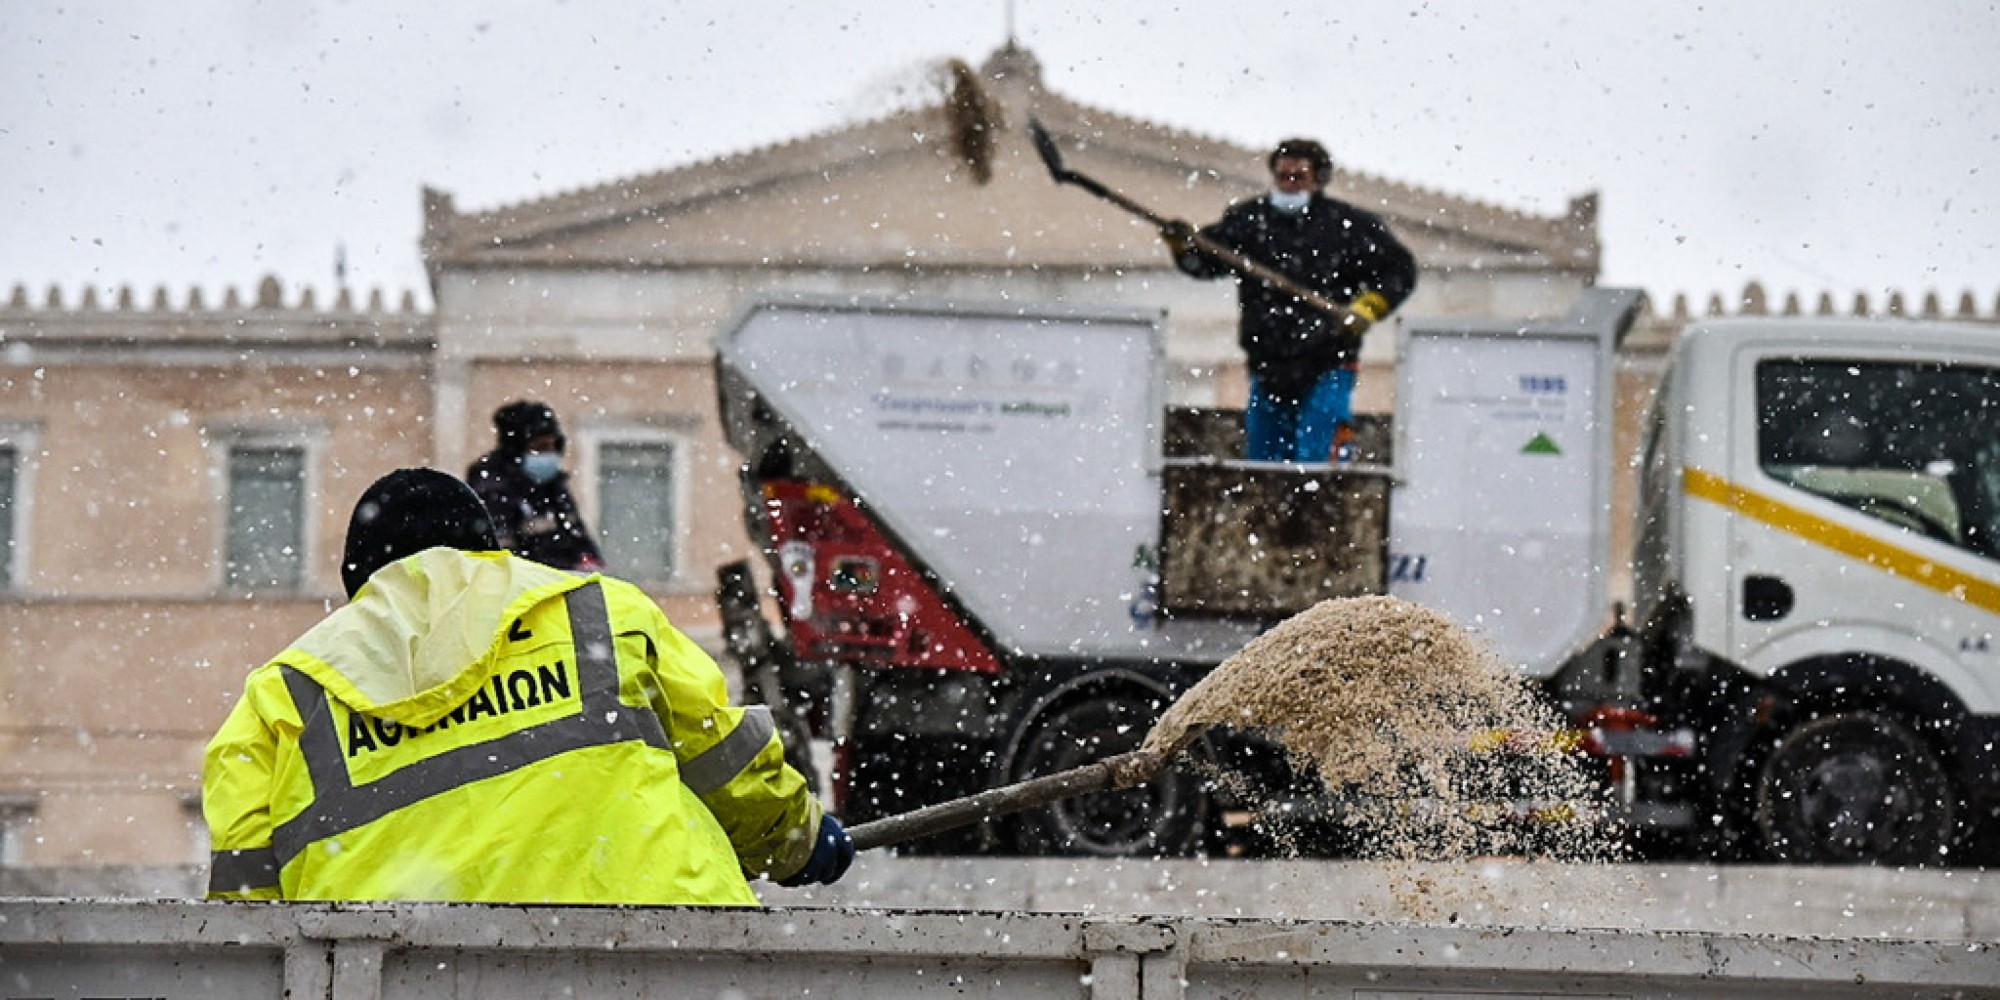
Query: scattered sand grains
[(1434, 750)]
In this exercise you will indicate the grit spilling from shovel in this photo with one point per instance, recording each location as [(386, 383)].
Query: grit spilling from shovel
[(1434, 749)]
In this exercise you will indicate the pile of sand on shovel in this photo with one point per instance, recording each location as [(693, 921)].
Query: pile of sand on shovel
[(1431, 743)]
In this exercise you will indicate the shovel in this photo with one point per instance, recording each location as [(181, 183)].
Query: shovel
[(1126, 770), (1136, 767), (1245, 267)]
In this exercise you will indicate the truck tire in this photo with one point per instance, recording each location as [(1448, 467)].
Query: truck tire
[(1855, 788), (1162, 818)]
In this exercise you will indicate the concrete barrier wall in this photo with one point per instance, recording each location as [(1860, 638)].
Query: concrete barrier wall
[(1949, 905), (173, 950)]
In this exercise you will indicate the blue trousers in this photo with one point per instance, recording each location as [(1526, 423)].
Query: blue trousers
[(1298, 431)]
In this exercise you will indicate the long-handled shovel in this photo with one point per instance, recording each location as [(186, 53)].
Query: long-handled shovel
[(1243, 266), (1126, 770), (1136, 767)]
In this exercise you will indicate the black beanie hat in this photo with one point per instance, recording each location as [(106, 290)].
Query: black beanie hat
[(1307, 150), (523, 421), (406, 512)]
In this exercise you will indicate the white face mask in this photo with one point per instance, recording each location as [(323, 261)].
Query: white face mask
[(1290, 202), (541, 466)]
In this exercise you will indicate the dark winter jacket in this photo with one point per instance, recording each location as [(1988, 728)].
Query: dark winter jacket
[(1333, 248), (537, 521)]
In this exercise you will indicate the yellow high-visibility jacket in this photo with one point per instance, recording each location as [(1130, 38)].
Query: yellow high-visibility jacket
[(478, 727)]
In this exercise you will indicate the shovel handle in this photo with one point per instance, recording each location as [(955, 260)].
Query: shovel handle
[(1122, 771), (1242, 266), (1256, 271)]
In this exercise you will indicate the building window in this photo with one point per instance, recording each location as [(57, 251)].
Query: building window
[(17, 457), (17, 812), (264, 534), (10, 504), (638, 507)]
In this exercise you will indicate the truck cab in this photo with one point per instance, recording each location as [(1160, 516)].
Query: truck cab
[(1817, 574)]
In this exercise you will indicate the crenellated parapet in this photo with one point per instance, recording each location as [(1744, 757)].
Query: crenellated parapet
[(1657, 327), (1755, 301), (262, 323), (268, 297)]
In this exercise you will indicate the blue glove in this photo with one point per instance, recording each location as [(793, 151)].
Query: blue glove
[(833, 851)]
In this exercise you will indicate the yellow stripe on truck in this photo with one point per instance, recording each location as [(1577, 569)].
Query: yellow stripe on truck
[(1857, 545)]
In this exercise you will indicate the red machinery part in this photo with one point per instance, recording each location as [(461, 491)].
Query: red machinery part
[(850, 596), (1613, 731)]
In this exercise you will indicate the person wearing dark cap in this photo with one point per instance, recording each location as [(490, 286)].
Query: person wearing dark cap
[(476, 727), (527, 492), (1302, 361)]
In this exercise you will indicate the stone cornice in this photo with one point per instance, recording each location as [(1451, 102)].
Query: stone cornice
[(450, 235)]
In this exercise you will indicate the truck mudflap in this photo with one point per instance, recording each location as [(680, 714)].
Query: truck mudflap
[(1646, 761), (321, 951), (1630, 742)]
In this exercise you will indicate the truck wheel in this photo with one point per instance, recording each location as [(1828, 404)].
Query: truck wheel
[(1855, 788), (1159, 818)]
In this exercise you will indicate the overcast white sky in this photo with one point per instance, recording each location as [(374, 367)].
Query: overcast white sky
[(1838, 146)]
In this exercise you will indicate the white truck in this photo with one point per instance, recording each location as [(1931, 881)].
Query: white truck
[(997, 553), (1817, 575)]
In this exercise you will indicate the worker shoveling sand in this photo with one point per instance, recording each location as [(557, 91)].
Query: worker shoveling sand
[(1435, 750)]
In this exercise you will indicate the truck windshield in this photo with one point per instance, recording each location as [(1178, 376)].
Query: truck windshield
[(1915, 445)]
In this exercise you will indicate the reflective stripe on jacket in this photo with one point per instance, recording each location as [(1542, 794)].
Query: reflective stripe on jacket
[(474, 726)]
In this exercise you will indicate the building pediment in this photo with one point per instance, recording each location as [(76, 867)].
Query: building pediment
[(901, 191)]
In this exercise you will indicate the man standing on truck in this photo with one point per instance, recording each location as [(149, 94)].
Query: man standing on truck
[(1302, 361), (477, 727)]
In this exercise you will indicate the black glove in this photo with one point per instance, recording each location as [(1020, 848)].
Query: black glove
[(833, 851), (1178, 236)]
